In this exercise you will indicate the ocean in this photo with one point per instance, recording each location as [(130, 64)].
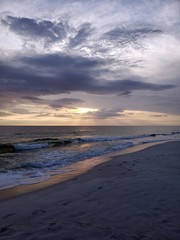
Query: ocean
[(33, 154)]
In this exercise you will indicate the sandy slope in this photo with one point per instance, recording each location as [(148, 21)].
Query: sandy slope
[(135, 196)]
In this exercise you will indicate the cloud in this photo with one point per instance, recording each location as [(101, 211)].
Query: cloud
[(5, 114), (83, 33), (48, 31), (159, 115), (64, 115), (20, 110), (105, 113), (131, 33), (42, 115), (35, 29), (65, 102), (57, 74), (58, 103), (33, 99), (61, 61), (128, 50), (125, 37)]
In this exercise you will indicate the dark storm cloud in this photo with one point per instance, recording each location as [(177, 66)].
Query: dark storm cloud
[(54, 74), (35, 29), (83, 33)]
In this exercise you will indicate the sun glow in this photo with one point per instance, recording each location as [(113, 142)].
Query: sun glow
[(85, 110)]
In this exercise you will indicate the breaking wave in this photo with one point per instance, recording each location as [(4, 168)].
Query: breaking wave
[(55, 142)]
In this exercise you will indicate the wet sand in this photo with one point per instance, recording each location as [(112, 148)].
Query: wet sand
[(132, 196)]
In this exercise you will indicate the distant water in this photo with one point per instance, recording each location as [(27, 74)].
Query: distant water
[(32, 154)]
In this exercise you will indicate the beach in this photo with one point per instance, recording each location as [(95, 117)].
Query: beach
[(130, 196)]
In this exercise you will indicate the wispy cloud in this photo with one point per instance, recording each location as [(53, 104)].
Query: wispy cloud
[(34, 29), (53, 57), (82, 34), (5, 114)]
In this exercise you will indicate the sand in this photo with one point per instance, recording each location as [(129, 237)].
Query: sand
[(133, 196)]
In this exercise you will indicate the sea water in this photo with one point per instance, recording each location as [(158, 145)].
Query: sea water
[(33, 154)]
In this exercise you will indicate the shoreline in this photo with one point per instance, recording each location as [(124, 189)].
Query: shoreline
[(70, 171), (131, 197)]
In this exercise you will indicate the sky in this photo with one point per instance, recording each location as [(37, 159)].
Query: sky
[(93, 62)]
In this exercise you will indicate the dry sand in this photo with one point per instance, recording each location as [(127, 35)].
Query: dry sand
[(134, 196)]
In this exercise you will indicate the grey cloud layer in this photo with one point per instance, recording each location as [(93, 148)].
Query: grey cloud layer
[(105, 113), (52, 74), (113, 53), (65, 102), (57, 104)]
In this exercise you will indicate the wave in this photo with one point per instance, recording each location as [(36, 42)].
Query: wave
[(25, 146), (34, 144), (7, 148), (56, 142), (44, 139), (113, 138), (67, 159)]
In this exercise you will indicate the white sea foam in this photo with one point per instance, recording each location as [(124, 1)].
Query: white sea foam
[(112, 138), (29, 146), (122, 146), (48, 142), (12, 179), (51, 153), (53, 159), (7, 180)]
